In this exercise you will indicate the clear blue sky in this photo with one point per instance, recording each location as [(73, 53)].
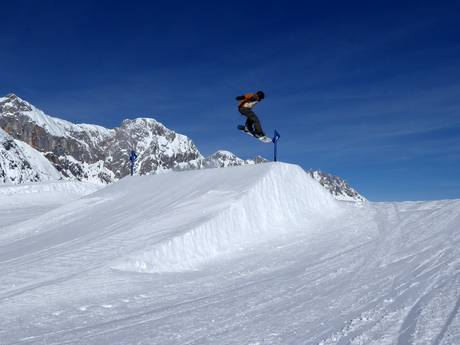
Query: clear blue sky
[(369, 91)]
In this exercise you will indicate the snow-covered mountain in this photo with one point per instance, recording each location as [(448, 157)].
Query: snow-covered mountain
[(20, 163), (219, 159), (96, 154), (83, 151), (340, 189), (45, 133)]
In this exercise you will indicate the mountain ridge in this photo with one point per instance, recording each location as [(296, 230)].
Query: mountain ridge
[(87, 152)]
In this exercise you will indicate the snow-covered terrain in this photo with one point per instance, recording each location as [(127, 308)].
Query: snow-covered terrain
[(24, 201), (256, 254)]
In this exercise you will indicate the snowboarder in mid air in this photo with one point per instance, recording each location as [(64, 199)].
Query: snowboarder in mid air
[(247, 102)]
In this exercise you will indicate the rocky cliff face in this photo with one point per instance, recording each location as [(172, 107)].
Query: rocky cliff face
[(158, 148), (219, 159)]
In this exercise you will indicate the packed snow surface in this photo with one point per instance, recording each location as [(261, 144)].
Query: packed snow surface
[(258, 254), (21, 202)]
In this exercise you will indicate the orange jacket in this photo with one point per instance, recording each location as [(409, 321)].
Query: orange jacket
[(248, 100)]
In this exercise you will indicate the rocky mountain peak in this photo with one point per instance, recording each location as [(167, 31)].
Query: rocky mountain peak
[(143, 125), (12, 96), (223, 154), (337, 186), (12, 104)]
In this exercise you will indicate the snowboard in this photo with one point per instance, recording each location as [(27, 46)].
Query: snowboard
[(263, 139)]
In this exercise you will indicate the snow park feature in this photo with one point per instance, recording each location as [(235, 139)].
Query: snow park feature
[(255, 254)]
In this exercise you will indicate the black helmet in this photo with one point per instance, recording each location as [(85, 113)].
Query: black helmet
[(260, 94)]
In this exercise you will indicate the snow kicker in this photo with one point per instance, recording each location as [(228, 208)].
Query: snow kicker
[(220, 211)]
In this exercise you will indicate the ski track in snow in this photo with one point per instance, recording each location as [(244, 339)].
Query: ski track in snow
[(151, 260)]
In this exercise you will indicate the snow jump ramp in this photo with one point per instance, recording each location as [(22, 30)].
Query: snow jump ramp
[(216, 211), (168, 222)]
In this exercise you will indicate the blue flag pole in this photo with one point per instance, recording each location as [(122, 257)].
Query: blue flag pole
[(275, 139), (132, 158)]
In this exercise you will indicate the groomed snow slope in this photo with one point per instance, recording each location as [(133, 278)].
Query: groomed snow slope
[(306, 269), (21, 202)]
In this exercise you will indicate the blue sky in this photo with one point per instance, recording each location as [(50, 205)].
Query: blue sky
[(368, 91)]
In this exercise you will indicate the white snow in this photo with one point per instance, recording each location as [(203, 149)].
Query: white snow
[(258, 254), (62, 128), (24, 201), (41, 192), (20, 163), (39, 162), (222, 212)]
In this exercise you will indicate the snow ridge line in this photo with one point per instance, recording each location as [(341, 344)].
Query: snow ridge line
[(285, 198)]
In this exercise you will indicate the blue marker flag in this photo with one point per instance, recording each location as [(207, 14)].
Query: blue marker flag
[(133, 156), (276, 137)]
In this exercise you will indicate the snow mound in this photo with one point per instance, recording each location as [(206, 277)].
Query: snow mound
[(215, 212)]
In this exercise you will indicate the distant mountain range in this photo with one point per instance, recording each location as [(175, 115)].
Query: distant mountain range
[(37, 147)]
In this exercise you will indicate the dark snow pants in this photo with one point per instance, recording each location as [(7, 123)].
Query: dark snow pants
[(252, 121)]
